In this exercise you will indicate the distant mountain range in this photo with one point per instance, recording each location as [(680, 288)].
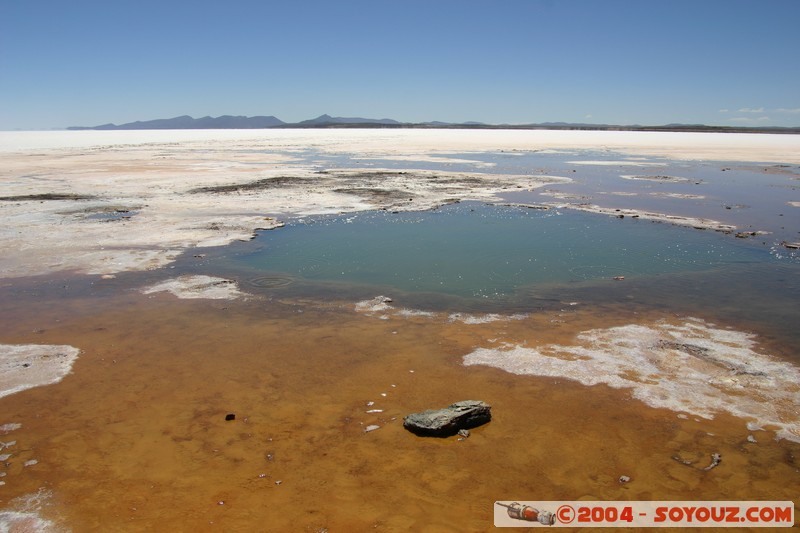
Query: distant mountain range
[(186, 122)]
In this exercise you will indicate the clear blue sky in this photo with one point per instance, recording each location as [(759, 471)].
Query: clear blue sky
[(88, 62)]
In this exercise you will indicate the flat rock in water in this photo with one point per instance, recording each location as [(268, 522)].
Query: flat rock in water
[(446, 422)]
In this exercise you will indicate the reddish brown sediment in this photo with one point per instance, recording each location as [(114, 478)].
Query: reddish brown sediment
[(136, 436)]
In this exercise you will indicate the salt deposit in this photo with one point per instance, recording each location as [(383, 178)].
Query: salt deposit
[(24, 366), (207, 287), (379, 304), (689, 367)]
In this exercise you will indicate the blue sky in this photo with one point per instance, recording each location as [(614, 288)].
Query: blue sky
[(85, 62)]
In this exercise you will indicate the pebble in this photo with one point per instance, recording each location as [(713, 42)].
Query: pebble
[(624, 479), (371, 427), (375, 411), (278, 481), (31, 462), (752, 439)]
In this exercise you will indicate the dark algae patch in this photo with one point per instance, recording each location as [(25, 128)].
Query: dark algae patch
[(266, 183), (47, 196)]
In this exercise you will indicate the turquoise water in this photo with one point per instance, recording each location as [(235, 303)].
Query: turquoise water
[(480, 251)]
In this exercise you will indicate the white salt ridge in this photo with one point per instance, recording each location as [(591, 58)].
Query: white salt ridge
[(484, 319), (8, 428), (624, 162), (414, 312), (680, 196), (689, 368), (205, 287), (24, 366), (378, 304), (660, 179)]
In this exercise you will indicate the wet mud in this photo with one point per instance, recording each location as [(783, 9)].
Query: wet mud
[(136, 438)]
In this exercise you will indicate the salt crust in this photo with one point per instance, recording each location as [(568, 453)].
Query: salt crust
[(23, 514), (192, 287), (24, 366), (689, 367)]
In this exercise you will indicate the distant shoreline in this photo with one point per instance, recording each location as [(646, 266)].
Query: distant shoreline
[(328, 122)]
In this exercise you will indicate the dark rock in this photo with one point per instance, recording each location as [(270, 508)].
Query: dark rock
[(230, 417), (446, 422)]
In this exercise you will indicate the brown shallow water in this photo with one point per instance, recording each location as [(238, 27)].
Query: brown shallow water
[(136, 439)]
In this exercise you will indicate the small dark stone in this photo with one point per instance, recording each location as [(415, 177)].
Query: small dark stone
[(230, 416), (446, 422)]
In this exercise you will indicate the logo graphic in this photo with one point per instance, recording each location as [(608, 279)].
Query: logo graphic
[(527, 513)]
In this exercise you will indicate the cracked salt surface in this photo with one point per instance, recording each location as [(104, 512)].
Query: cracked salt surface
[(691, 367)]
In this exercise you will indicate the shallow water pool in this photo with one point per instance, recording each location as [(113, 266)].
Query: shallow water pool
[(481, 251)]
